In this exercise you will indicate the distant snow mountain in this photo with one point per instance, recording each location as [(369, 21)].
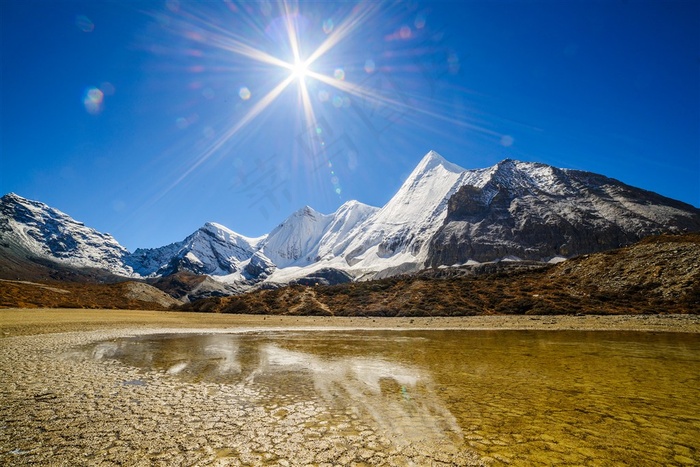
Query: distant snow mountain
[(300, 240), (213, 249), (308, 236), (35, 229), (442, 215)]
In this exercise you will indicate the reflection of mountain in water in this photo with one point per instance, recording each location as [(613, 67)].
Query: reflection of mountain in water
[(397, 398)]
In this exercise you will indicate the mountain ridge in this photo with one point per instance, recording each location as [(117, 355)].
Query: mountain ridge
[(658, 275), (442, 215), (548, 212)]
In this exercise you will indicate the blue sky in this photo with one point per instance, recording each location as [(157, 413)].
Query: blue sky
[(147, 119)]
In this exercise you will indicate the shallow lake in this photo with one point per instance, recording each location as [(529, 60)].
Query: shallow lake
[(525, 397)]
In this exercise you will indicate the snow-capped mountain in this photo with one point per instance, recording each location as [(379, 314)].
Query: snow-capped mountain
[(299, 241), (213, 249), (537, 212), (44, 232), (308, 236), (399, 232), (295, 241), (442, 215)]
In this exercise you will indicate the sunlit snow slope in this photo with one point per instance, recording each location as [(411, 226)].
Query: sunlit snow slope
[(442, 215)]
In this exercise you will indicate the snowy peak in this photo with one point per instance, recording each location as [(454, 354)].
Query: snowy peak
[(51, 234), (227, 236), (295, 241), (345, 219), (307, 211), (526, 178), (398, 233), (212, 249), (431, 160), (431, 165), (351, 212), (425, 189)]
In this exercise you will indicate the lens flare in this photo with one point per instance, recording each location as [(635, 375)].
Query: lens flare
[(328, 26), (84, 23), (507, 141), (93, 100), (244, 93)]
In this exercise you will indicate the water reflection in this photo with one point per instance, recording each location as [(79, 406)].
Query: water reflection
[(534, 398), (199, 358), (399, 398)]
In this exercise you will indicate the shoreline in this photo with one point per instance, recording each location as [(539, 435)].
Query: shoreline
[(36, 321)]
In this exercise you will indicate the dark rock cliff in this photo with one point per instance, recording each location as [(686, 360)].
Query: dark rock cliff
[(565, 213)]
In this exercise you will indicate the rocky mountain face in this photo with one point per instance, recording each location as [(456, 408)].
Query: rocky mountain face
[(30, 229), (532, 211), (441, 216)]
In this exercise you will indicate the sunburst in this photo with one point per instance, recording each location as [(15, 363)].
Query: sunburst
[(300, 68)]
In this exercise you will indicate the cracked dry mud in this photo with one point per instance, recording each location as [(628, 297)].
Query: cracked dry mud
[(82, 387), (61, 407)]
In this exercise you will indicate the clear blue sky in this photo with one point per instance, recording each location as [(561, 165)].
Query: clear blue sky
[(147, 119)]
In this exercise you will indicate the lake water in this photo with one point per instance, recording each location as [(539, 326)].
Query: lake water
[(521, 397)]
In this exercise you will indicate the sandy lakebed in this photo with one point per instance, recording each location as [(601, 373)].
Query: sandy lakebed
[(61, 405)]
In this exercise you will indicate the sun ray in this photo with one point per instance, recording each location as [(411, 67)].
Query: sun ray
[(223, 39), (360, 14), (292, 33), (247, 118), (239, 48), (306, 105), (374, 98)]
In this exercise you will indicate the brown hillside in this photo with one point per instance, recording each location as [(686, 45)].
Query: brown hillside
[(124, 295), (658, 275)]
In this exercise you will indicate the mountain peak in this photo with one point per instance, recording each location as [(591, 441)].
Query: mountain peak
[(431, 160), (48, 233), (295, 240), (214, 225), (306, 211), (12, 197), (354, 205)]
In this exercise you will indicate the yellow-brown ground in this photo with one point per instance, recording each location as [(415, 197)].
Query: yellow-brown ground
[(15, 322)]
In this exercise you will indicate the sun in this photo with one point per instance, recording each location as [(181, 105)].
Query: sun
[(299, 69)]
